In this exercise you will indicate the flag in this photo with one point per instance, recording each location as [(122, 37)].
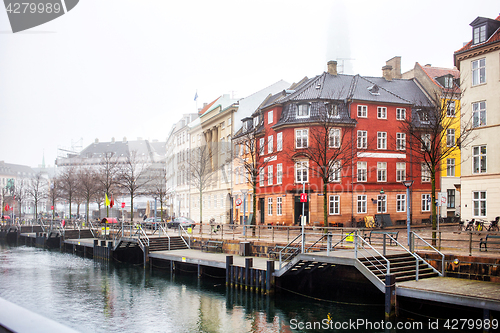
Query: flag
[(106, 199), (112, 202), (196, 96)]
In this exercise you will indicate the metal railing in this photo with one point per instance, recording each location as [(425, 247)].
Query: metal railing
[(359, 249), (412, 251), (183, 231), (288, 252)]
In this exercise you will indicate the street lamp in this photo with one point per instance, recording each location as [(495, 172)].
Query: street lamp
[(408, 184), (244, 192)]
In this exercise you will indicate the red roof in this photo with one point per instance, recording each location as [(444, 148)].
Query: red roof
[(494, 38), (434, 72), (206, 107)]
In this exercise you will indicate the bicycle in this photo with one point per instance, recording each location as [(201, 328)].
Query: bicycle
[(479, 225), (494, 224), (468, 225)]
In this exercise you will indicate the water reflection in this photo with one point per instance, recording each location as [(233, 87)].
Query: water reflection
[(90, 296)]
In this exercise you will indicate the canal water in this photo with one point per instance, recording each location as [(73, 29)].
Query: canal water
[(90, 296)]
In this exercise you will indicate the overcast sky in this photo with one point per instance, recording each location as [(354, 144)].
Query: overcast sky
[(130, 68)]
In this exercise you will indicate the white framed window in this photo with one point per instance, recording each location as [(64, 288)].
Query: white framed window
[(480, 34), (479, 71), (400, 141), (362, 171), (261, 146), (425, 142), (229, 121), (269, 175), (270, 206), (426, 173), (381, 171), (279, 173), (335, 171), (450, 167), (362, 139), (400, 202), (362, 111), (479, 114), (261, 177), (303, 110), (270, 117), (451, 198), (400, 113), (279, 206), (222, 200), (332, 110), (426, 202), (381, 112), (223, 125), (334, 138), (381, 204), (450, 109), (301, 138), (479, 159), (362, 204), (450, 137), (381, 140), (334, 204), (301, 171), (279, 141), (209, 201), (270, 144), (448, 82), (255, 121), (479, 203), (215, 200), (400, 171)]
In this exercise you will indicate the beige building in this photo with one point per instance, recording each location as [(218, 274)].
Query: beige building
[(479, 65)]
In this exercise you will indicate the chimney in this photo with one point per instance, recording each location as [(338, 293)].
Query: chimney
[(396, 67), (387, 72), (112, 140), (96, 140), (332, 67), (124, 139)]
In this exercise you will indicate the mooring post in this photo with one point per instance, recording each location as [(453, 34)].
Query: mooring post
[(248, 266), (270, 277), (229, 263), (390, 297), (146, 256)]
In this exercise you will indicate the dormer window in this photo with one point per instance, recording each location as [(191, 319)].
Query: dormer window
[(479, 34), (332, 110), (448, 82), (374, 90), (303, 111), (255, 121)]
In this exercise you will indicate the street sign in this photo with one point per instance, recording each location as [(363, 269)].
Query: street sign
[(303, 197), (238, 202), (442, 198), (51, 207), (123, 204)]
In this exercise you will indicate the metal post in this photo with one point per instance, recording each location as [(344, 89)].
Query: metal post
[(302, 220), (408, 213)]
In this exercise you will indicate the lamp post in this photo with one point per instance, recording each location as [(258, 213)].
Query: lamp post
[(244, 193), (408, 184)]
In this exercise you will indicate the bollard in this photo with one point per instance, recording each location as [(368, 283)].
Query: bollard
[(229, 264), (270, 277), (390, 297), (248, 266)]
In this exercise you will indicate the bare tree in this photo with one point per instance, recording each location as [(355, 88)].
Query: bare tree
[(158, 186), (200, 171), (108, 176), (68, 184), (54, 193), (37, 190), (330, 148), (133, 178), (434, 133), (88, 187), (21, 193), (250, 145)]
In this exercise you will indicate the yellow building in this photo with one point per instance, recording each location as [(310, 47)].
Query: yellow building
[(444, 84)]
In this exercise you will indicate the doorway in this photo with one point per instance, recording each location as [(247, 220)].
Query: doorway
[(298, 210)]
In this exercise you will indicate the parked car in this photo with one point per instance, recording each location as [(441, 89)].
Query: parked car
[(151, 223), (183, 221)]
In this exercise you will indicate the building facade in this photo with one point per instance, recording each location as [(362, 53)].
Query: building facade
[(365, 151), (479, 65)]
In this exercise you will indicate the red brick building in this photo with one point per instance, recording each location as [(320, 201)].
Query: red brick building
[(366, 152)]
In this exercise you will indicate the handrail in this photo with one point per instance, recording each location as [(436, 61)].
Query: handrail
[(388, 266), (439, 252), (92, 229), (141, 232), (344, 237), (287, 247), (181, 229)]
